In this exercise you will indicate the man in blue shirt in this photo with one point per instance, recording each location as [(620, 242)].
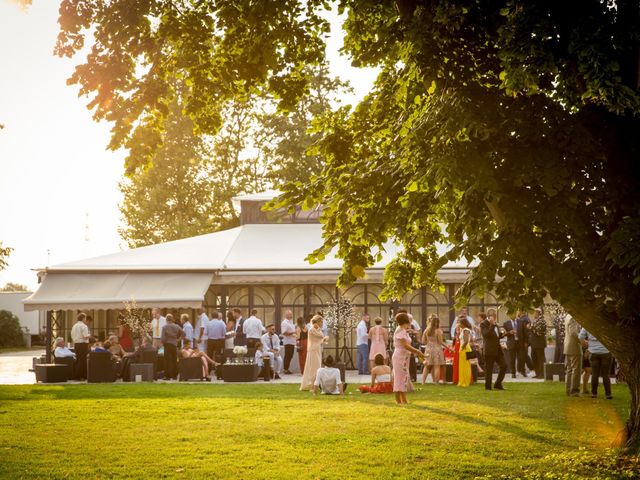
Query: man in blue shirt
[(600, 359), (216, 331)]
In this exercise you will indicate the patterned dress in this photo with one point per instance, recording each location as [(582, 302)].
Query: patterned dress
[(400, 362)]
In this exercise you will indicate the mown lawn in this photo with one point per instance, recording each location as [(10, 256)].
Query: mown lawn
[(275, 431)]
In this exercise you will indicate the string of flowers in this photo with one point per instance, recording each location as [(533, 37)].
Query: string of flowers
[(136, 319)]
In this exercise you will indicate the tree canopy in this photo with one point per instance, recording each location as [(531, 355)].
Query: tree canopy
[(4, 255), (506, 130), (14, 287)]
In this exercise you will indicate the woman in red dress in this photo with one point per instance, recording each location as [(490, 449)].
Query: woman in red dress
[(456, 349), (381, 378), (124, 337)]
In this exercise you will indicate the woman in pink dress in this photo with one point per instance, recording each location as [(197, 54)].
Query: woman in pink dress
[(379, 337), (400, 359)]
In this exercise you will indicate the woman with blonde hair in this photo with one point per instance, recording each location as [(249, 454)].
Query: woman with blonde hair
[(433, 339), (313, 362)]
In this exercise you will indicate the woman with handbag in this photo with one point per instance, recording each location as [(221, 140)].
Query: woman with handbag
[(465, 354)]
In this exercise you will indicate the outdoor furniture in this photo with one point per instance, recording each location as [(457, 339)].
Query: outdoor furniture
[(247, 372), (51, 373), (69, 362), (145, 370), (100, 368), (551, 369), (190, 369), (149, 356)]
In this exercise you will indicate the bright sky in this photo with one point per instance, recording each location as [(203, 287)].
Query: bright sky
[(56, 176)]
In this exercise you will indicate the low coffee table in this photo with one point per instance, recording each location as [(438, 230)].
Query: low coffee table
[(51, 373), (240, 373)]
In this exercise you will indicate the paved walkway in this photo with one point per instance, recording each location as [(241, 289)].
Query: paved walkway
[(15, 366)]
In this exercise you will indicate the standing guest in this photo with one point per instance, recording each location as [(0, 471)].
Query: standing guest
[(328, 379), (200, 331), (586, 370), (362, 344), (522, 343), (433, 339), (229, 336), (558, 351), (157, 324), (313, 362), (464, 366), (401, 356), (193, 352), (170, 335), (271, 343), (493, 353), (379, 338), (288, 330), (216, 332), (240, 339), (510, 332), (414, 332), (381, 379), (301, 333), (253, 329), (538, 342), (456, 351), (80, 338), (62, 351), (124, 336), (464, 312), (600, 359), (187, 328), (572, 356)]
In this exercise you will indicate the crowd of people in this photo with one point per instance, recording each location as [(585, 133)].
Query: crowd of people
[(475, 349)]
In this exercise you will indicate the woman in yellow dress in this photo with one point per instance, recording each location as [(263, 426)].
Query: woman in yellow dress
[(464, 367)]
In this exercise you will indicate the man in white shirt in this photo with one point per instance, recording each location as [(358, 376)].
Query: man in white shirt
[(288, 330), (80, 338), (62, 351), (187, 328), (271, 343), (253, 329), (362, 344), (157, 322), (200, 331), (328, 379)]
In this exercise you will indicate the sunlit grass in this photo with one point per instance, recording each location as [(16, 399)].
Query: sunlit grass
[(275, 431)]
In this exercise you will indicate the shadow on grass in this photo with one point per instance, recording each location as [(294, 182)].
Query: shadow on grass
[(478, 422)]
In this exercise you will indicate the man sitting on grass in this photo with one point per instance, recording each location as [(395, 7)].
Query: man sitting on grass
[(328, 379)]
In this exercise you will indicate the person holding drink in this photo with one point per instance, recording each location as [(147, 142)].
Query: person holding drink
[(491, 334), (401, 357)]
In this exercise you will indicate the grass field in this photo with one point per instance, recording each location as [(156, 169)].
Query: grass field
[(275, 431)]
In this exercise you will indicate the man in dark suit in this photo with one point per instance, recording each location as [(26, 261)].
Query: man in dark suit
[(239, 338), (493, 354), (523, 325), (510, 327)]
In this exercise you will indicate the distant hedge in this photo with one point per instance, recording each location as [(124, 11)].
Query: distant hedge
[(10, 331)]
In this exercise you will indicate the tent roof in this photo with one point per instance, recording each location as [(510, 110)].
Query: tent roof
[(252, 247)]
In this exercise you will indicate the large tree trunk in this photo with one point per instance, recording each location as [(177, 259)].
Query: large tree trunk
[(623, 341), (631, 432)]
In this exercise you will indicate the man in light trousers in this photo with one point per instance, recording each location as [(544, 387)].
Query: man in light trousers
[(572, 356)]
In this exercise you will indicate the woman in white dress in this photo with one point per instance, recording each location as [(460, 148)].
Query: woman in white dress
[(313, 362)]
